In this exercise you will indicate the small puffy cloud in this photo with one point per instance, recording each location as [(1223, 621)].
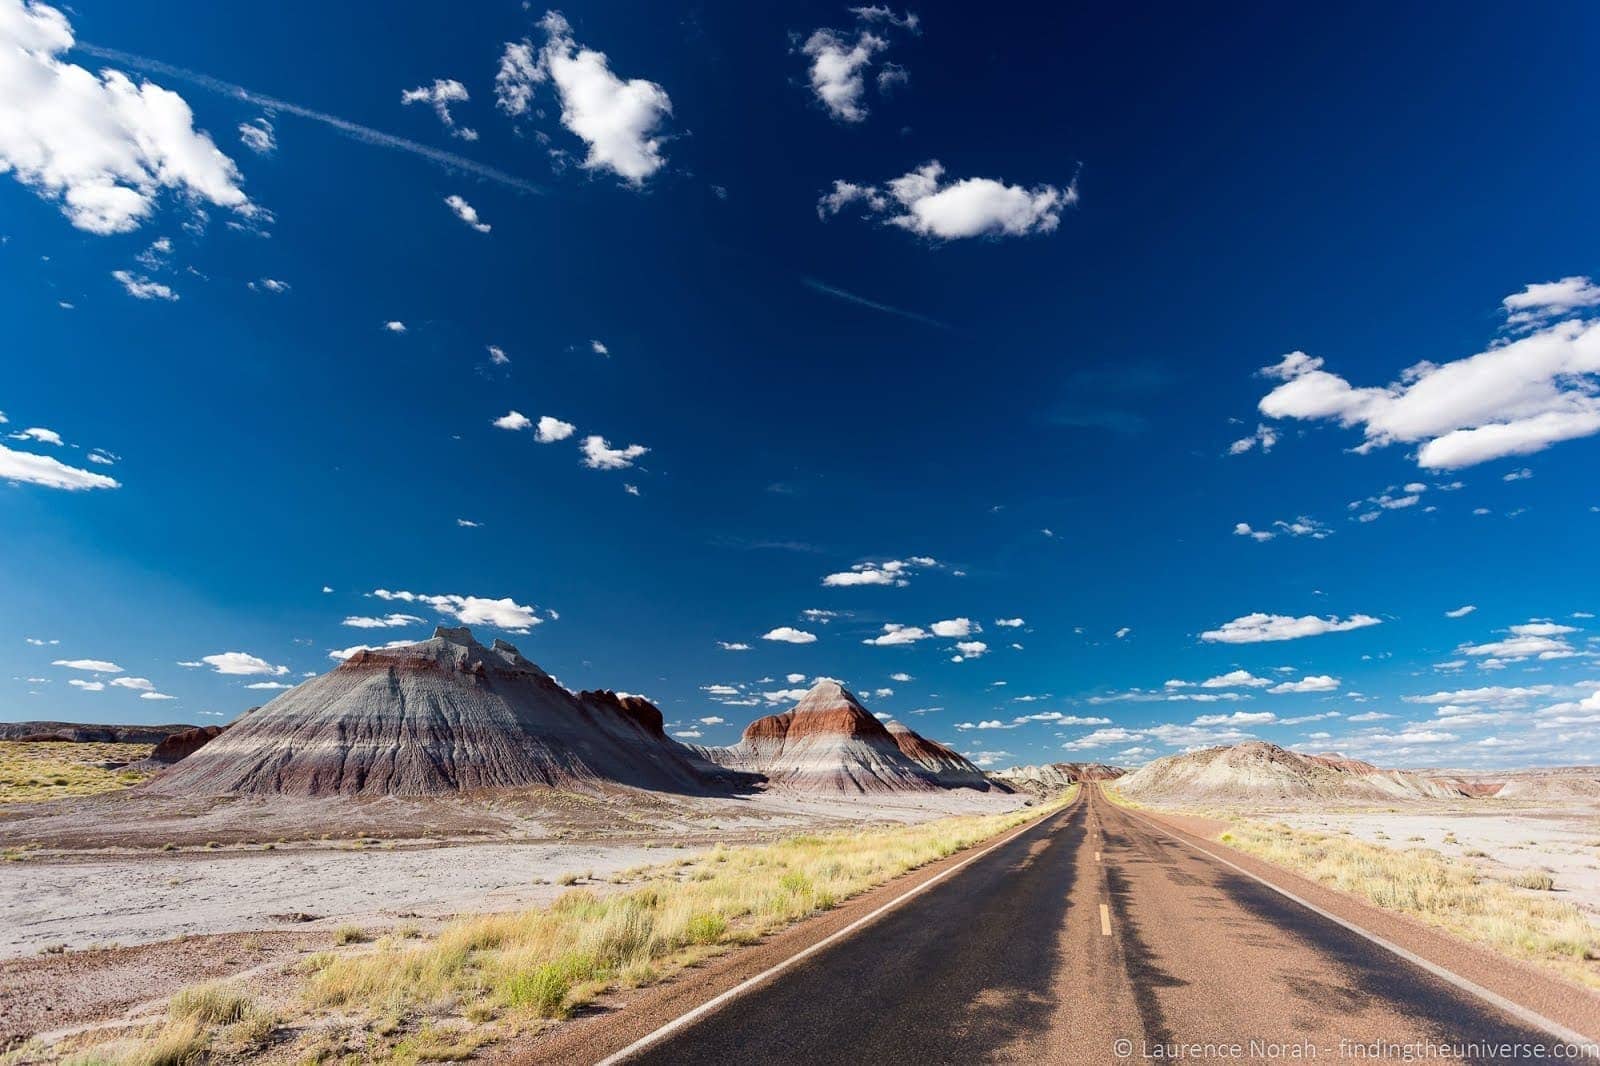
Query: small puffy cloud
[(512, 420), (901, 677), (1513, 398), (789, 635), (49, 472), (896, 634), (268, 686), (466, 213), (954, 627), (1461, 612), (1259, 627), (730, 645), (1549, 299), (552, 429), (1123, 632), (1309, 683), (689, 734), (618, 120), (922, 202), (142, 288), (1236, 718), (241, 664), (794, 679), (88, 686), (598, 454), (970, 649), (138, 684), (497, 355), (258, 135), (1010, 623), (839, 61), (894, 572), (502, 613), (439, 96), (101, 146), (1299, 527), (1541, 640), (713, 720), (1232, 679), (1264, 436), (599, 349), (271, 285), (388, 621), (156, 696), (467, 523), (40, 434), (395, 326), (92, 666)]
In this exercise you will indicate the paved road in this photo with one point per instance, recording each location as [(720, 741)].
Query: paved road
[(1094, 927)]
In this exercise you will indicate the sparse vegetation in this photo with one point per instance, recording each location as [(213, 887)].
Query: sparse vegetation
[(414, 996), (1453, 895), (350, 934), (31, 771)]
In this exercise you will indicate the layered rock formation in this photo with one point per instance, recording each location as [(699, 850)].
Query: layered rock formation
[(89, 734), (1257, 772), (1050, 778), (177, 746), (946, 766), (829, 742), (442, 715)]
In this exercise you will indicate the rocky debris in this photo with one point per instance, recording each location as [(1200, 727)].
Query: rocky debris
[(443, 715), (829, 742), (1257, 771)]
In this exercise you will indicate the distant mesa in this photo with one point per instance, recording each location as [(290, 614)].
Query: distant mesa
[(80, 733), (1050, 778), (830, 742), (1257, 771)]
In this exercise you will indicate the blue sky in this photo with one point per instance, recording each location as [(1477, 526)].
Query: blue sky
[(995, 313)]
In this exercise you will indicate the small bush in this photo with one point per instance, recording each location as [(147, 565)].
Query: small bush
[(705, 928), (1537, 880), (209, 1005), (350, 934)]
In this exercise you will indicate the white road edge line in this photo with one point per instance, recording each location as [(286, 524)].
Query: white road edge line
[(1516, 1010), (1105, 920), (690, 1017)]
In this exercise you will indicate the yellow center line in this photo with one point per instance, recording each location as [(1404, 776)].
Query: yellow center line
[(1105, 920)]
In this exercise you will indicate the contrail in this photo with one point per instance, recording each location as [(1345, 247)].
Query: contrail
[(364, 134), (850, 297)]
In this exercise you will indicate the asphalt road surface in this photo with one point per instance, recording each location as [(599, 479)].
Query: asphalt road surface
[(1097, 938)]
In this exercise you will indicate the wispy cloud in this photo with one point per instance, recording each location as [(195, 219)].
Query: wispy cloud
[(353, 130), (861, 301)]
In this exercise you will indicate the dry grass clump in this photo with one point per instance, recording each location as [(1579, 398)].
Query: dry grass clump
[(1449, 894), (31, 771)]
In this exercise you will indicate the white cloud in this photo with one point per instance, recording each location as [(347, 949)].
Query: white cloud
[(26, 468), (258, 135), (242, 664), (1461, 612), (1549, 299), (156, 696), (789, 635), (598, 454), (1010, 623), (1309, 683), (922, 203), (1264, 435), (138, 684), (838, 65), (272, 285), (467, 523), (341, 654), (101, 146), (40, 434), (970, 649), (1231, 679), (440, 95), (497, 355), (895, 634), (268, 686), (88, 686), (512, 420), (1542, 640), (466, 213), (142, 288), (1124, 631), (895, 572), (1515, 398), (1259, 627), (955, 627), (599, 348), (93, 666), (1300, 527), (617, 119), (389, 621), (794, 679), (713, 720), (395, 326), (552, 429), (730, 645), (503, 613), (1236, 718), (689, 734)]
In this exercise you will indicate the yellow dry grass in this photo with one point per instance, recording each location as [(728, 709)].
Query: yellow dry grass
[(1525, 923), (485, 976), (31, 771)]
